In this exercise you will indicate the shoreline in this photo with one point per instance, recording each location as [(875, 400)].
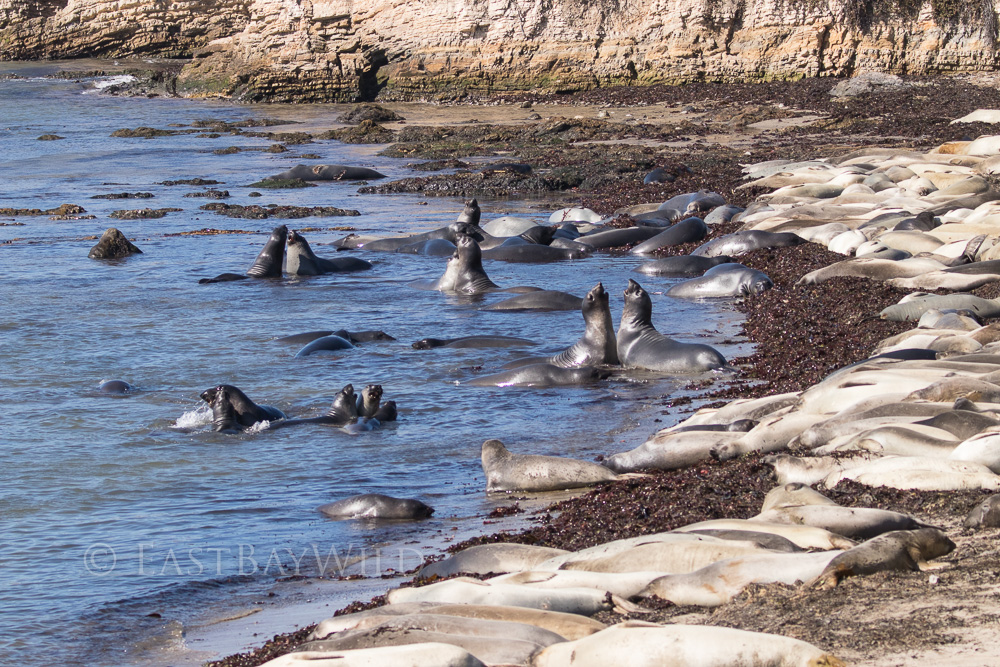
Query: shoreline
[(762, 315)]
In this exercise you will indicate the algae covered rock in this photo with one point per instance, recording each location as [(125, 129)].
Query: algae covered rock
[(113, 245)]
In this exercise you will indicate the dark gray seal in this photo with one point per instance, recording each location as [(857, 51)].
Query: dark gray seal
[(300, 260), (682, 265), (233, 411), (376, 506), (355, 337), (724, 280), (343, 412), (740, 243), (465, 273), (471, 214), (393, 244), (540, 301), (614, 238), (327, 172), (430, 248), (331, 343), (267, 264), (541, 375), (113, 245), (598, 345), (472, 342), (640, 345), (685, 231), (116, 388), (531, 253)]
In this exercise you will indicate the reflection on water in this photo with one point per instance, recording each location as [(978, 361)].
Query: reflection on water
[(128, 518)]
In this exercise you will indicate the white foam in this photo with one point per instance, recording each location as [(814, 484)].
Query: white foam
[(101, 84), (194, 418), (259, 426)]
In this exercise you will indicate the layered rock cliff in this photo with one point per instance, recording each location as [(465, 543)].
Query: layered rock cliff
[(351, 49)]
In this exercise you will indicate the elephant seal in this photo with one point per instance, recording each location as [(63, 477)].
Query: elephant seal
[(487, 558), (430, 654), (465, 273), (911, 309), (464, 590), (682, 265), (530, 253), (539, 301), (740, 243), (984, 515), (430, 248), (724, 280), (471, 214), (640, 345), (343, 411), (614, 238), (116, 388), (376, 506), (232, 411), (471, 342), (640, 644), (355, 337), (113, 245), (331, 343), (899, 550), (300, 260), (685, 231), (266, 265), (506, 471), (598, 345), (541, 375), (448, 233), (326, 172)]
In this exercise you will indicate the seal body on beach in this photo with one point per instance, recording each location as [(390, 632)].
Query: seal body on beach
[(724, 280), (300, 260), (640, 345), (685, 231), (740, 243), (901, 550), (232, 410), (506, 471), (487, 558), (326, 172), (682, 265), (376, 506)]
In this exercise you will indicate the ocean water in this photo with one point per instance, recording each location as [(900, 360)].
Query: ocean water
[(126, 519)]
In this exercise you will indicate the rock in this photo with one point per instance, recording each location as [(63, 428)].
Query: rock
[(370, 112), (113, 245), (866, 82)]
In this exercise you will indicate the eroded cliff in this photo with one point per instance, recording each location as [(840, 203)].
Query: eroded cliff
[(345, 50)]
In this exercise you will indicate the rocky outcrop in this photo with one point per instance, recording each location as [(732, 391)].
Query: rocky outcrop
[(284, 50)]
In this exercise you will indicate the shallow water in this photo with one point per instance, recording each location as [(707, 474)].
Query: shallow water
[(126, 518)]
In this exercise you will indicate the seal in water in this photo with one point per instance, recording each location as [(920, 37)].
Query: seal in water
[(342, 412), (472, 342), (376, 506), (541, 375), (465, 272), (326, 172), (598, 345), (116, 388), (640, 345), (267, 264), (724, 280), (471, 214), (301, 261), (529, 472), (681, 265), (232, 411), (331, 343), (540, 301)]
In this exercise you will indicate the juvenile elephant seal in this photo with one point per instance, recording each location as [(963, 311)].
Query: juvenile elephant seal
[(267, 263), (465, 273), (487, 558), (113, 245), (685, 231), (899, 550), (541, 375), (640, 345), (326, 172), (740, 243), (471, 214), (342, 412), (506, 471), (539, 301), (598, 345), (682, 265), (376, 506), (300, 260), (331, 343), (725, 280), (984, 515), (531, 253), (233, 411), (472, 342)]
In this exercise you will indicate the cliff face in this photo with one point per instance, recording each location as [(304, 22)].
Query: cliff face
[(345, 50)]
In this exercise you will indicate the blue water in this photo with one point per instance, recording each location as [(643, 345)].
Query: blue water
[(125, 519)]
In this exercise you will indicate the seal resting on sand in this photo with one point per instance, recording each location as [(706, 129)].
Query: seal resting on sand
[(506, 471)]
